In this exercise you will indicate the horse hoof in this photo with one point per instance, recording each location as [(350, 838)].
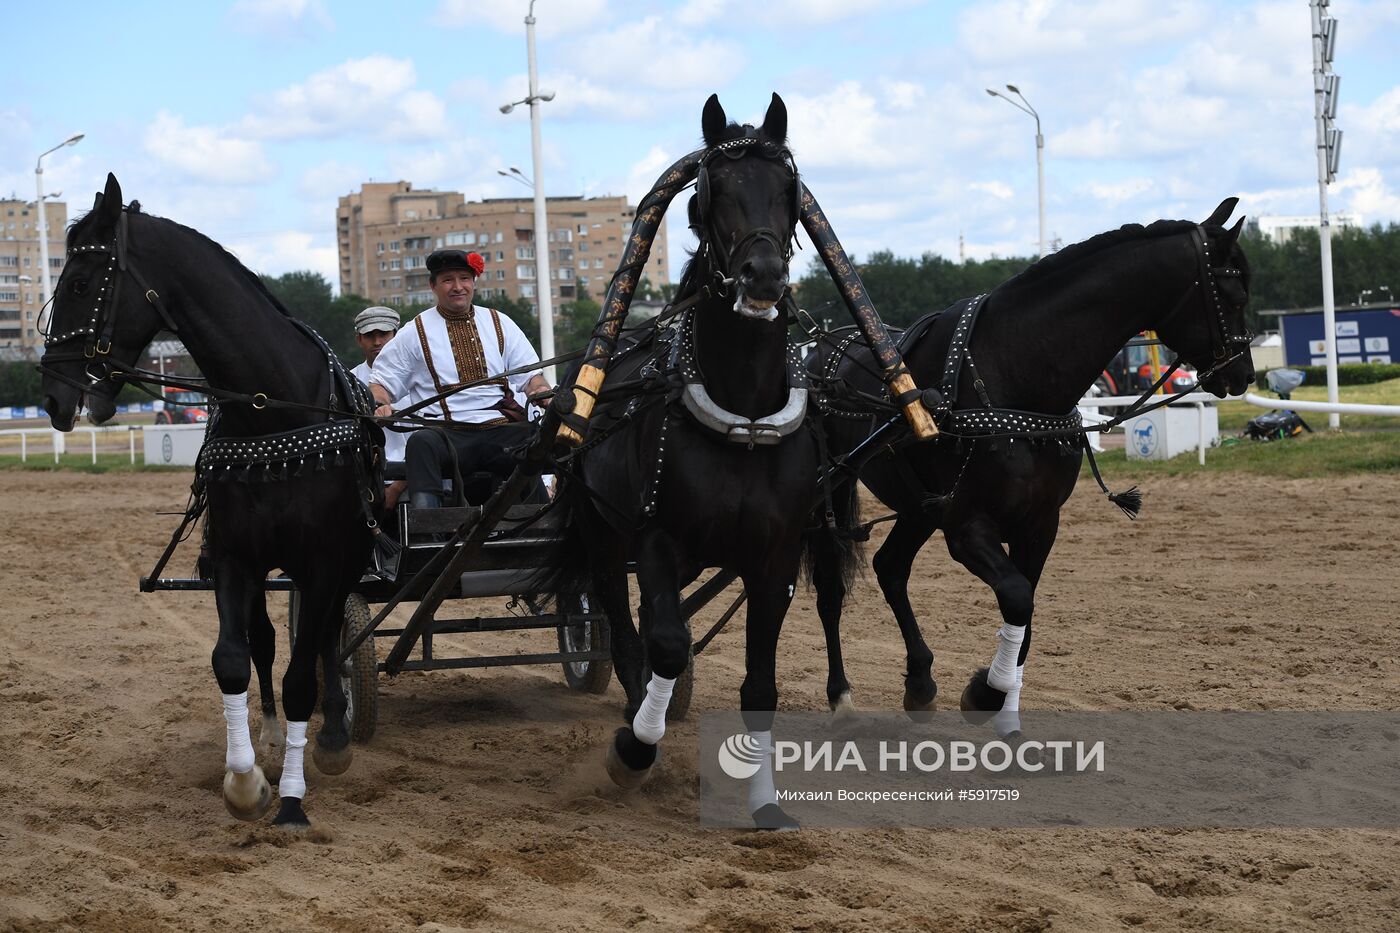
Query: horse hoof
[(291, 816), (630, 761), (772, 818), (980, 700), (247, 795), (920, 701), (332, 762), (844, 709)]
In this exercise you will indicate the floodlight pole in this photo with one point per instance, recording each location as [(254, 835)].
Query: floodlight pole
[(1329, 310), (542, 271)]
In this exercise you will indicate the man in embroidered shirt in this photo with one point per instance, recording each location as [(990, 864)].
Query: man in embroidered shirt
[(452, 344)]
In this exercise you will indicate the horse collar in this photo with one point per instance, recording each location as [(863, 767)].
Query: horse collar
[(768, 430)]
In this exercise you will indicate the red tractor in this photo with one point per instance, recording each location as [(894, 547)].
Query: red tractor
[(183, 406)]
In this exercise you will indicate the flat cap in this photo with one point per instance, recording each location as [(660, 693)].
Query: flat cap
[(376, 318)]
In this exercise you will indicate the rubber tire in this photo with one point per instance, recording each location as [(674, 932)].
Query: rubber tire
[(162, 418), (361, 679), (584, 676)]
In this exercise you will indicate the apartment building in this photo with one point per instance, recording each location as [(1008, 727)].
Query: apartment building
[(385, 232), (21, 289)]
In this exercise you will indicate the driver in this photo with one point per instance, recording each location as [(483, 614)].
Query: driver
[(450, 344)]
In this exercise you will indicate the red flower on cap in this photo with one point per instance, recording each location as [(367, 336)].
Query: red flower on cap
[(477, 263)]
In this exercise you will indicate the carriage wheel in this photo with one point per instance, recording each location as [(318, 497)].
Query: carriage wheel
[(359, 676), (588, 676)]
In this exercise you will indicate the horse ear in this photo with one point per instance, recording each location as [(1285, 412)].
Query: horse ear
[(775, 121), (109, 204), (1234, 231), (1221, 213), (713, 121)]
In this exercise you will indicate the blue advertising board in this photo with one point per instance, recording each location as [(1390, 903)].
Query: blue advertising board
[(1370, 336)]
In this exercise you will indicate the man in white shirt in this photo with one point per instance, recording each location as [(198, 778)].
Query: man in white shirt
[(375, 327), (453, 344)]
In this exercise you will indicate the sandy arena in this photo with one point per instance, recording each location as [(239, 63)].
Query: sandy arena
[(482, 801)]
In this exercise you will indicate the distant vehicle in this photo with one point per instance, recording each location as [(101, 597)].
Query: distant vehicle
[(1130, 373), (184, 406)]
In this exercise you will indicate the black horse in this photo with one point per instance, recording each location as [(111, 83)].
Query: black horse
[(1008, 457), (718, 468), (285, 487)]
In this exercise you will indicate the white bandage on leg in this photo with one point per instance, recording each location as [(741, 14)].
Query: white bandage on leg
[(649, 724), (1009, 719), (1002, 674), (761, 792), (239, 757), (293, 783)]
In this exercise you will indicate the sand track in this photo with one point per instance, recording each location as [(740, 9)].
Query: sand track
[(482, 801)]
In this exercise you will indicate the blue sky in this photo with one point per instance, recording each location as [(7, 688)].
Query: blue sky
[(248, 119)]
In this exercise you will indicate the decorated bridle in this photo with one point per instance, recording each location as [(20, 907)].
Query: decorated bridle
[(725, 261), (1225, 347), (96, 335)]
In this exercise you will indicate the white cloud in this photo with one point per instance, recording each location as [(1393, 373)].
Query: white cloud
[(1368, 194), (616, 57), (844, 127), (206, 153), (644, 172), (372, 96), (1115, 193), (999, 190), (1023, 31), (281, 19), (286, 251), (786, 13)]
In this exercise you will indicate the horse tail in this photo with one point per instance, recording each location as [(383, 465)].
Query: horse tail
[(843, 534), (565, 566)]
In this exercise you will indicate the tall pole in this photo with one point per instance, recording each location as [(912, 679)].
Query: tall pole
[(542, 283), (1329, 311), (44, 290)]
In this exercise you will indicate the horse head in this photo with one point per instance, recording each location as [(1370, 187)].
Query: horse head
[(1211, 333), (746, 206), (95, 321)]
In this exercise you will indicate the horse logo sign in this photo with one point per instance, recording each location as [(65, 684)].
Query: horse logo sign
[(167, 448), (1144, 437)]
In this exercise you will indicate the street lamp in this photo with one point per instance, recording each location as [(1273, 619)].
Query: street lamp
[(1026, 107), (517, 175), (542, 283), (43, 219)]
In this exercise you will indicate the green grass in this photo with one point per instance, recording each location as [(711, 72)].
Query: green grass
[(82, 463), (1234, 415), (1321, 454)]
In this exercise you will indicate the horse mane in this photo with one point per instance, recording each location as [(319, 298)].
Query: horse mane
[(1076, 252), (135, 208)]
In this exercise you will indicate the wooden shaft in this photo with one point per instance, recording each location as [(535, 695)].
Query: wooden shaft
[(914, 412), (591, 379)]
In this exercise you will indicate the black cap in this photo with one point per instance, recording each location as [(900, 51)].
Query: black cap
[(443, 259)]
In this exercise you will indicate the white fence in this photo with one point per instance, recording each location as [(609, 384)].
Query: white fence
[(1196, 400), (59, 441), (1342, 408)]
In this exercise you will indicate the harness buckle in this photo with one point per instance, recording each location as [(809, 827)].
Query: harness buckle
[(101, 350), (151, 295), (89, 352), (260, 405)]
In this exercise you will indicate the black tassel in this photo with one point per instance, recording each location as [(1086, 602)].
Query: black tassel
[(242, 476), (320, 463), (1130, 502), (301, 467), (286, 471), (339, 457)]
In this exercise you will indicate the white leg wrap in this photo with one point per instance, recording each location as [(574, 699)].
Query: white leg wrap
[(239, 757), (761, 792), (1009, 719), (649, 724), (293, 783), (1003, 671)]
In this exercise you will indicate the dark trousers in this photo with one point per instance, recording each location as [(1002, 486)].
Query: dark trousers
[(429, 455)]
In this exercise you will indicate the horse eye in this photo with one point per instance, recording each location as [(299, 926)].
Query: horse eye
[(79, 286)]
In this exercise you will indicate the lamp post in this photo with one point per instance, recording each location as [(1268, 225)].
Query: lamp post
[(542, 282), (43, 219), (1026, 107)]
